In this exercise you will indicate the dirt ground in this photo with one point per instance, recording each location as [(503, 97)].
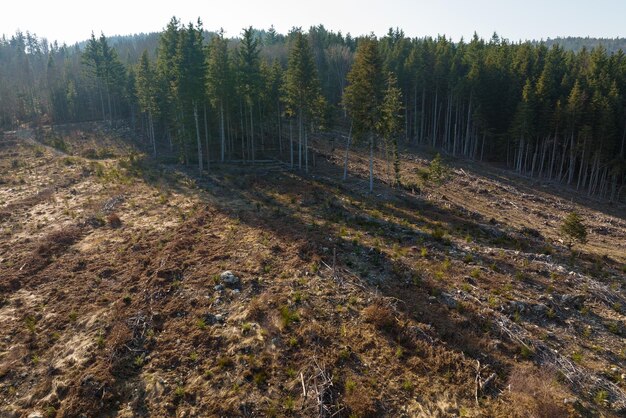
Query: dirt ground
[(439, 298)]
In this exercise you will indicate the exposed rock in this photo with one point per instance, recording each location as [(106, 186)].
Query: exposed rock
[(229, 279), (540, 309), (517, 306), (470, 280), (449, 300), (35, 414), (211, 319), (573, 301)]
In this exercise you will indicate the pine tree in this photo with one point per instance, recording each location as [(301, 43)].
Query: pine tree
[(190, 81), (219, 82), (166, 69), (92, 59), (390, 121), (249, 79), (364, 95), (302, 90), (147, 94), (573, 229)]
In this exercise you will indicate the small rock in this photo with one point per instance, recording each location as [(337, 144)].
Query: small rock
[(35, 414), (540, 309), (229, 279), (87, 379), (211, 319), (448, 300), (574, 301), (470, 280), (236, 291), (517, 306), (219, 287)]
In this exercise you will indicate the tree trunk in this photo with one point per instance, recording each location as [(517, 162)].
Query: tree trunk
[(345, 160), (435, 119), (467, 129), (300, 140), (243, 133), (252, 134), (421, 139), (280, 134), (553, 156), (206, 140), (291, 141), (152, 137), (572, 161), (222, 135), (104, 118), (195, 117), (306, 150), (396, 161), (371, 163)]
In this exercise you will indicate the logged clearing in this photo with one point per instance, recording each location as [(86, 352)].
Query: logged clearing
[(132, 288)]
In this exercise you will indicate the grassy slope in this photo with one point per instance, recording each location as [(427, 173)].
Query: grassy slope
[(429, 296)]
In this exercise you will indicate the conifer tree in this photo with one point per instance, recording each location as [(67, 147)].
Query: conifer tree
[(390, 121), (302, 90), (219, 82), (147, 94), (92, 59), (249, 79), (364, 95), (190, 82), (573, 229), (166, 69)]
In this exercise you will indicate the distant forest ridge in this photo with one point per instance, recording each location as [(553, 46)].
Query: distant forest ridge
[(131, 46), (612, 45)]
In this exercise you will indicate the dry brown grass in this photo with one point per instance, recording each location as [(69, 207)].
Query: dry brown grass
[(381, 316), (58, 241), (361, 401), (535, 393), (379, 319), (114, 220)]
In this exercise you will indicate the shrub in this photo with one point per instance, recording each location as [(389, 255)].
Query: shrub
[(31, 323), (58, 241), (437, 170), (114, 220), (601, 397), (573, 229), (380, 316), (438, 233), (179, 392), (287, 316)]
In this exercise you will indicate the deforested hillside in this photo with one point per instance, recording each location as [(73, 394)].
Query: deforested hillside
[(311, 224), (132, 287)]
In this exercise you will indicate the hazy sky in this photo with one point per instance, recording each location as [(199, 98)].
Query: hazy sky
[(71, 20)]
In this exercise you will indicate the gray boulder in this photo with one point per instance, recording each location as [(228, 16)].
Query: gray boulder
[(229, 279)]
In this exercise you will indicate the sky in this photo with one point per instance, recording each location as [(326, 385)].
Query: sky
[(70, 21)]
